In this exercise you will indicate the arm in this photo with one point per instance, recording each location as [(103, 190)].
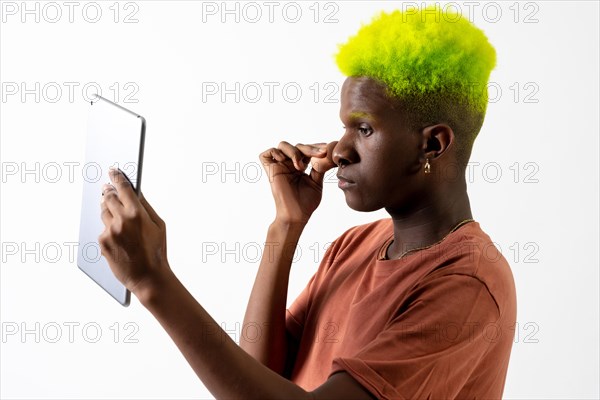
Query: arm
[(226, 370), (267, 303), (296, 196)]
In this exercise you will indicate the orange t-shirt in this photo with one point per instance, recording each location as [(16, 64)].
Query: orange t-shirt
[(437, 323)]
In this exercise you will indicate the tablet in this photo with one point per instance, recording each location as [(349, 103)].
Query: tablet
[(115, 137)]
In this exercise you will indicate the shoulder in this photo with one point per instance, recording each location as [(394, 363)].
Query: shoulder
[(359, 242), (372, 231), (471, 253)]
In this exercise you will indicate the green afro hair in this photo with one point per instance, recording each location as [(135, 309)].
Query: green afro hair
[(420, 52)]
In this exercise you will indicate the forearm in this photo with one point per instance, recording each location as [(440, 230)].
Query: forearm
[(226, 370), (267, 304)]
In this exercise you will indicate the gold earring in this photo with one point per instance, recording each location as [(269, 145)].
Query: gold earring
[(427, 166)]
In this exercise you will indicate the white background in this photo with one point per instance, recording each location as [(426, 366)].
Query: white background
[(540, 134)]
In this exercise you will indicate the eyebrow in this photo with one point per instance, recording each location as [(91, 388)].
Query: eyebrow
[(361, 114)]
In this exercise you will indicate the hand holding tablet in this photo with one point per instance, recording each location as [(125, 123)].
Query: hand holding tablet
[(134, 240), (115, 137)]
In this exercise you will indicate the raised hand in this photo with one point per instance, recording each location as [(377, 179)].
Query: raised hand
[(297, 194)]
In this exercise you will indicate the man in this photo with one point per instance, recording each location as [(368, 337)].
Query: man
[(421, 305)]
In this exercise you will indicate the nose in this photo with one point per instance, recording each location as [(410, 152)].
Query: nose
[(343, 152)]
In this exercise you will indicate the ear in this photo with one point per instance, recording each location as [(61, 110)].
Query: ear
[(436, 140)]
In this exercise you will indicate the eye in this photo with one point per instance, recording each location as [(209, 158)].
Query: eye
[(365, 129)]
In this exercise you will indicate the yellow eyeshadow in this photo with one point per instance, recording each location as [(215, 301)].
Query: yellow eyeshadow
[(360, 114)]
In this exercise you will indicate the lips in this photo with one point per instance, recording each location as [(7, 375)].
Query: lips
[(344, 182), (344, 179)]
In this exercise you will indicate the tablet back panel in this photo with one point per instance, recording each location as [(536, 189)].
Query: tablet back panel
[(115, 137)]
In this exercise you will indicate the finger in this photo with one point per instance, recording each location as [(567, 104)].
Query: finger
[(106, 245), (309, 150), (319, 167), (153, 215), (110, 198), (105, 214), (271, 157), (296, 155), (312, 150), (323, 163), (124, 188)]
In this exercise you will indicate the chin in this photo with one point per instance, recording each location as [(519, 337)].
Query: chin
[(358, 205)]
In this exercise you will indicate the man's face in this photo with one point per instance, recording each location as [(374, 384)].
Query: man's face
[(378, 153)]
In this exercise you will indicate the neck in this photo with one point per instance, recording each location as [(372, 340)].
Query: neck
[(430, 223)]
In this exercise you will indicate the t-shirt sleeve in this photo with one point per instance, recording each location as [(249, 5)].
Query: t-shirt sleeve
[(431, 345)]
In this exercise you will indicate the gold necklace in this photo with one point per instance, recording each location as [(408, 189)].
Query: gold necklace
[(461, 223)]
